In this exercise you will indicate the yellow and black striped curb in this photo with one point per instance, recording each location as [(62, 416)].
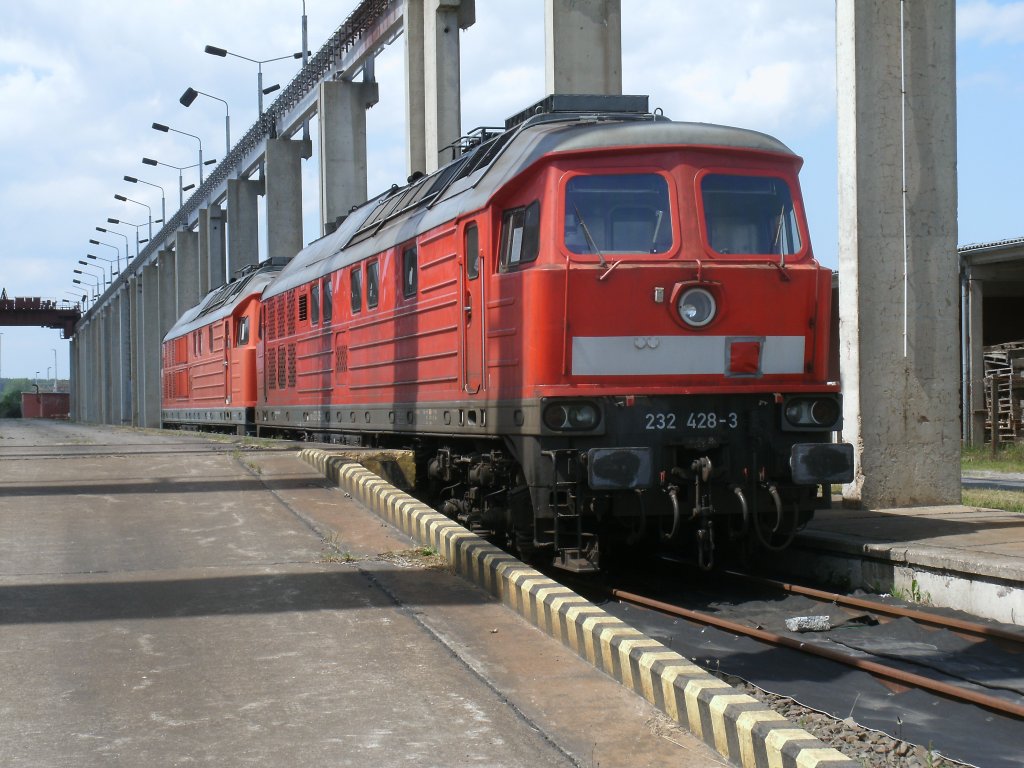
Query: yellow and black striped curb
[(738, 726)]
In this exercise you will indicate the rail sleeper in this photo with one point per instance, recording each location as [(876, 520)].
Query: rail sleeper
[(737, 726)]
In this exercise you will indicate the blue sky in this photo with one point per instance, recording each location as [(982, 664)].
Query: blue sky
[(82, 82)]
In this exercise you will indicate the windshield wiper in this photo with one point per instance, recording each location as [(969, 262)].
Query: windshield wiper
[(590, 239), (657, 229), (778, 237)]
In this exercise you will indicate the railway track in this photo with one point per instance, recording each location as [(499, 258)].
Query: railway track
[(910, 690), (877, 669)]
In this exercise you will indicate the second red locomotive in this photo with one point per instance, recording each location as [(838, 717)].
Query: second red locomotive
[(598, 329)]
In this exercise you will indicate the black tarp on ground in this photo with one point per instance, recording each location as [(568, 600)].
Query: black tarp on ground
[(958, 731)]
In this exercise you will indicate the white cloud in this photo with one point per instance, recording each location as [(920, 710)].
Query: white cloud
[(990, 22), (755, 64)]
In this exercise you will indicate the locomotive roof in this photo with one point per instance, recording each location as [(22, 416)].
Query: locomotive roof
[(467, 183), (221, 302)]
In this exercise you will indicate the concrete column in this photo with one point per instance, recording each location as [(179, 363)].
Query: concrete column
[(442, 121), (188, 289), (168, 311), (115, 367), (103, 382), (76, 374), (134, 323), (284, 195), (243, 223), (81, 386), (82, 336), (202, 233), (342, 109), (125, 388), (87, 388), (897, 251), (211, 249), (415, 109), (96, 370), (583, 46), (149, 348), (73, 378)]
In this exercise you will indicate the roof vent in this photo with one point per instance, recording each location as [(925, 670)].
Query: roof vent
[(585, 103)]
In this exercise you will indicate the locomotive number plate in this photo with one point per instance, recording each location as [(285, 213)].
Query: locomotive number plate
[(694, 420)]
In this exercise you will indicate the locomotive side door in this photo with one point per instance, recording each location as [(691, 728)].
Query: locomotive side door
[(473, 309), (227, 362)]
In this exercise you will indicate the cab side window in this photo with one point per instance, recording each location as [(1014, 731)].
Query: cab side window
[(520, 235)]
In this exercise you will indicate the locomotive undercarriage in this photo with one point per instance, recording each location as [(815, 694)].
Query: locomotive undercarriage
[(699, 509), (585, 501)]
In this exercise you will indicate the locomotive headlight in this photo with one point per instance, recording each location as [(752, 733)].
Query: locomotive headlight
[(583, 416), (825, 412), (696, 307), (812, 413), (795, 412), (571, 416)]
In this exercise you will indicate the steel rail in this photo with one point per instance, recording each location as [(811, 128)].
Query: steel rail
[(872, 667), (922, 617)]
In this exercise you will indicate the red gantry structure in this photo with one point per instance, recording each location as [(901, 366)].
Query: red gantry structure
[(43, 313)]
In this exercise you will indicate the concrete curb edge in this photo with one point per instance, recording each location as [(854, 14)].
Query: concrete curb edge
[(737, 726)]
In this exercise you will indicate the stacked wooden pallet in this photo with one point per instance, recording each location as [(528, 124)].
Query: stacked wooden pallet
[(1004, 391)]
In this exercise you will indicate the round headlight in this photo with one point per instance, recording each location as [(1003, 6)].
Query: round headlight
[(555, 417), (825, 412), (696, 307), (583, 416), (794, 412)]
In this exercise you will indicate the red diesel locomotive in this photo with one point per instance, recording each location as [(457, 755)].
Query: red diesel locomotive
[(598, 329)]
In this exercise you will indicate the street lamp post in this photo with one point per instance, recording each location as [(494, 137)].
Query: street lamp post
[(190, 95), (112, 271), (102, 273), (179, 169), (85, 296), (138, 240), (163, 199), (215, 51), (124, 199), (96, 292), (100, 284), (119, 234), (54, 368), (116, 250), (165, 129)]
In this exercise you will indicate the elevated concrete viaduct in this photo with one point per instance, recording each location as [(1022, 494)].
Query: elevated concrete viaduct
[(897, 197)]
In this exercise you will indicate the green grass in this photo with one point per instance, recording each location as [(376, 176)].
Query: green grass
[(1008, 458), (1009, 501)]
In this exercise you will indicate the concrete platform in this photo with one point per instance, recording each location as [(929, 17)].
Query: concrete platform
[(740, 728), (957, 557), (174, 600)]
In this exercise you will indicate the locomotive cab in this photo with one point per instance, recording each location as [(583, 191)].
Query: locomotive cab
[(677, 326)]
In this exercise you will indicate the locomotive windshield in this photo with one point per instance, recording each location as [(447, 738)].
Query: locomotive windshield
[(618, 213), (750, 215)]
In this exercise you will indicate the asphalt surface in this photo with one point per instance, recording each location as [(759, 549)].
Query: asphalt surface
[(169, 600), (995, 481)]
